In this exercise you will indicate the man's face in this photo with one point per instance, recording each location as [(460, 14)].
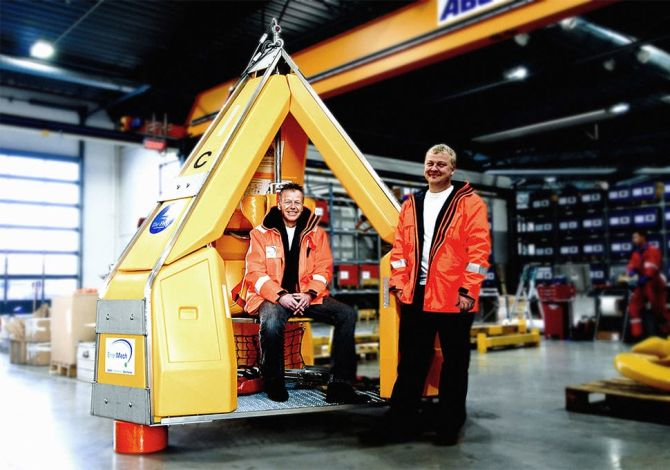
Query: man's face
[(437, 168), (638, 240), (291, 206)]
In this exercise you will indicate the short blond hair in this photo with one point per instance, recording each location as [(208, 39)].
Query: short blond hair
[(444, 149)]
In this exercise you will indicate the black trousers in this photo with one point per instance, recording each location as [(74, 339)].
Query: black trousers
[(416, 348), (273, 321)]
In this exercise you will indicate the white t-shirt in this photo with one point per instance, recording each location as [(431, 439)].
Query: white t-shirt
[(290, 231), (432, 204)]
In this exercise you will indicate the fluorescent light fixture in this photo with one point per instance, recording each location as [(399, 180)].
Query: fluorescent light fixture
[(41, 69), (651, 170), (42, 50), (553, 124), (569, 23), (551, 172), (516, 73), (619, 108)]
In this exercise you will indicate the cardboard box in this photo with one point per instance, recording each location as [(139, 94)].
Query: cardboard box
[(38, 354), (72, 321), (85, 361), (17, 352), (17, 328), (37, 330)]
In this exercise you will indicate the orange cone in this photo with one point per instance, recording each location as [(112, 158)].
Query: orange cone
[(131, 438)]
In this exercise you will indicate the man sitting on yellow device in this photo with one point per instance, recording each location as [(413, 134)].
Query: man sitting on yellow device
[(288, 267)]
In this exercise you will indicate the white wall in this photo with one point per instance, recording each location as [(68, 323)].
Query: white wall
[(139, 188)]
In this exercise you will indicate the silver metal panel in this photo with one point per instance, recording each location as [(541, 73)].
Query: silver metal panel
[(300, 401), (121, 403), (266, 61), (121, 317), (387, 292), (183, 186)]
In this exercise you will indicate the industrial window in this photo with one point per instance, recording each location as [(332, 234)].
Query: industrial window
[(40, 228)]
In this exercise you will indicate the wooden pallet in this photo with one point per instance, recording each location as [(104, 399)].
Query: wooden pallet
[(623, 398), (67, 370)]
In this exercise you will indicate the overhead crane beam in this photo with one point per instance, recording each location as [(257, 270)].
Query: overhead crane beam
[(404, 40)]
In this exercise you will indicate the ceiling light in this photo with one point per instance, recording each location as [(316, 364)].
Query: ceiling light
[(516, 73), (42, 50), (522, 39), (650, 170), (609, 65), (553, 124), (619, 108), (569, 23)]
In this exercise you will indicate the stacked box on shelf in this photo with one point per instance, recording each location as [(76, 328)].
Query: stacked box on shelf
[(568, 223), (644, 192), (593, 222), (619, 195), (321, 210), (369, 275), (598, 274), (593, 247), (620, 247), (645, 217), (569, 249), (347, 276), (592, 198)]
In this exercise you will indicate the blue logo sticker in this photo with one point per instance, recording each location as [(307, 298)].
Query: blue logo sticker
[(123, 351), (163, 220)]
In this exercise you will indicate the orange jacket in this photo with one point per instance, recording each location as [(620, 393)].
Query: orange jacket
[(459, 250), (265, 260)]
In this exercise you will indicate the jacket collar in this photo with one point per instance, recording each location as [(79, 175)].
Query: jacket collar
[(274, 220), (458, 186)]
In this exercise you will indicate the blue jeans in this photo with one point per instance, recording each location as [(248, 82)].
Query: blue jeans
[(273, 319)]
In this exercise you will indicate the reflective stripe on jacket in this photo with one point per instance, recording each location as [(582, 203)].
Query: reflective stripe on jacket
[(459, 251), (264, 262)]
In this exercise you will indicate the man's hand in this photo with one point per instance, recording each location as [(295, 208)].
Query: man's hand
[(465, 303), (303, 301), (289, 302)]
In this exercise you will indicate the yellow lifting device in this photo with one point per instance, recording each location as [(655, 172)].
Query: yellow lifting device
[(165, 349)]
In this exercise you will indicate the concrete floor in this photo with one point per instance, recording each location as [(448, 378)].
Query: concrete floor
[(517, 421)]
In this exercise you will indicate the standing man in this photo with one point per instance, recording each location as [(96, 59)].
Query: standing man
[(438, 261), (645, 262), (288, 268)]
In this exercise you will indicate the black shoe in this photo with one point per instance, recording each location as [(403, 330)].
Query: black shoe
[(343, 392), (276, 390), (446, 439), (386, 432)]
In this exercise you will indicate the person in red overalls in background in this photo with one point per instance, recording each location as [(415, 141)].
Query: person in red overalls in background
[(645, 262)]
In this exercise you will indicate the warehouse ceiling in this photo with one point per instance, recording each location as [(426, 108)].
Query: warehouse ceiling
[(596, 94)]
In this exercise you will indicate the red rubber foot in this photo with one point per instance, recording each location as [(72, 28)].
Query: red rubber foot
[(131, 438)]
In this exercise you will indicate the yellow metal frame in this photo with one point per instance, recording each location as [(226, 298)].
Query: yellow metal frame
[(170, 265)]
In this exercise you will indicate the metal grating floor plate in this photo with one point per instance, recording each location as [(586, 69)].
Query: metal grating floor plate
[(258, 404)]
